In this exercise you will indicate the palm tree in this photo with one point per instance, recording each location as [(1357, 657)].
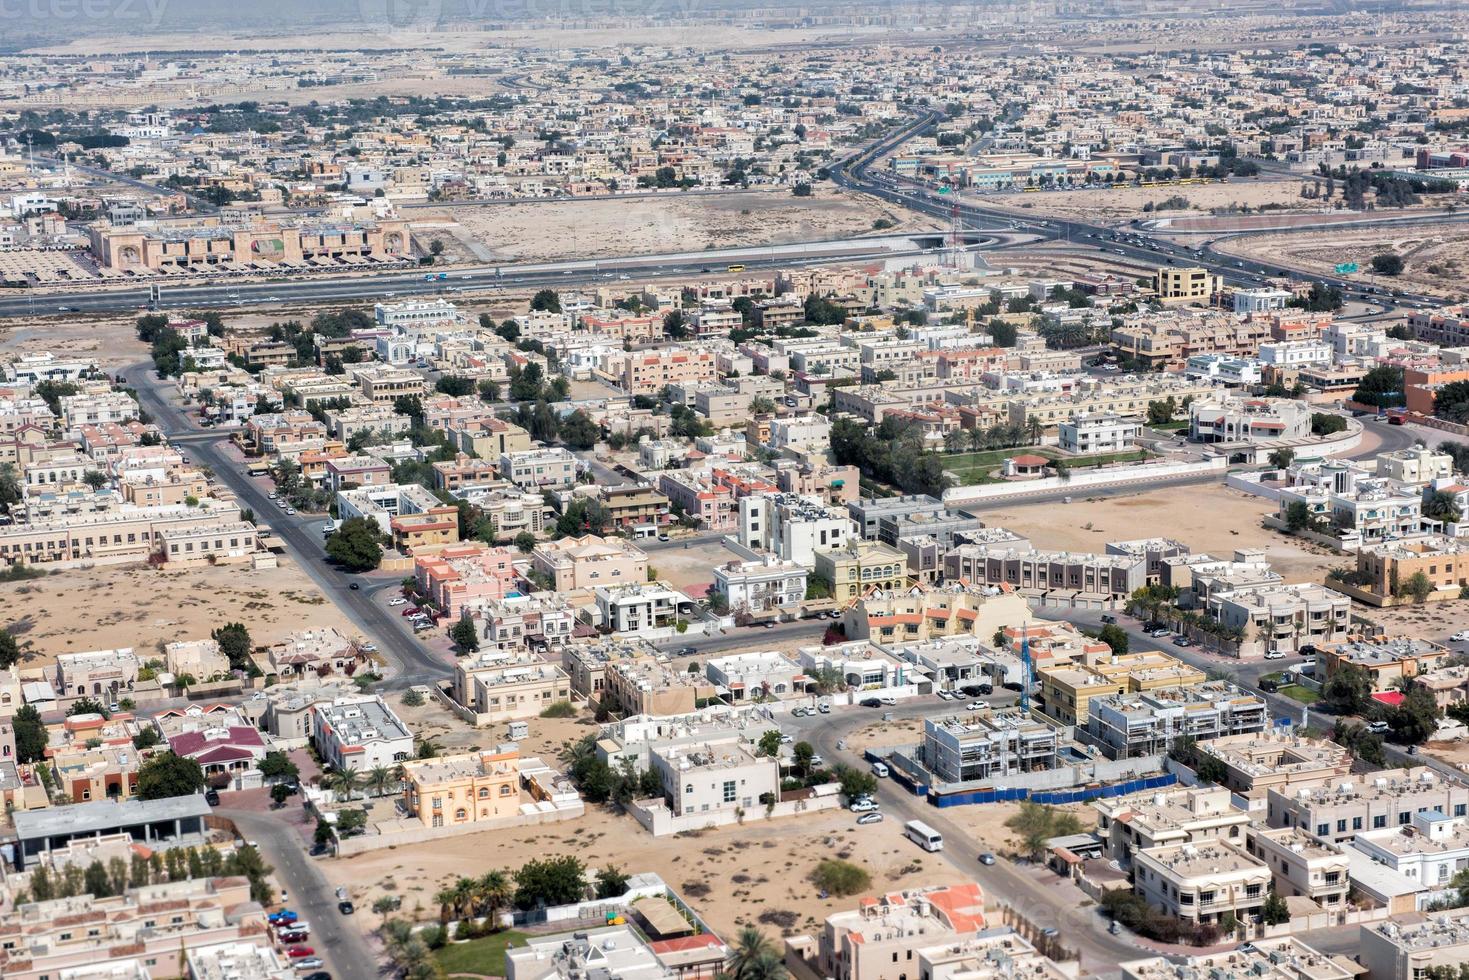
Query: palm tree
[(446, 899), (379, 778), (748, 956), (465, 893), (344, 781), (495, 892)]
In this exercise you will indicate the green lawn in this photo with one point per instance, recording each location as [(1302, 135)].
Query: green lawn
[(483, 956), (974, 469), (992, 458), (1302, 694)]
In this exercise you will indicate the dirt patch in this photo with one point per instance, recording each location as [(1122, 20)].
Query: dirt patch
[(1433, 254), (737, 872), (1234, 522), (545, 230), (140, 607)]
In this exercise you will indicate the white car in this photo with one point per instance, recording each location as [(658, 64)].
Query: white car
[(863, 806), (400, 601), (975, 706), (1460, 637)]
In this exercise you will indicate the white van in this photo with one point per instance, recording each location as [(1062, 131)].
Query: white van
[(923, 835), (880, 770)]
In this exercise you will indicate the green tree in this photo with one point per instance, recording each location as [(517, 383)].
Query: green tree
[(1348, 689), (550, 881), (1298, 516), (279, 793), (769, 743), (9, 650), (10, 493), (1381, 387), (355, 545), (30, 734), (855, 782), (1274, 911), (578, 431), (277, 765), (1439, 506), (1282, 457), (675, 325), (1325, 424), (1415, 719), (234, 643), (464, 634), (611, 882), (166, 775), (525, 542), (753, 957), (1115, 637), (547, 300), (1387, 264), (840, 878), (803, 753), (1417, 587)]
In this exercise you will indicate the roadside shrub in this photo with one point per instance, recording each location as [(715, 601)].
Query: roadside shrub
[(840, 878), (561, 709)]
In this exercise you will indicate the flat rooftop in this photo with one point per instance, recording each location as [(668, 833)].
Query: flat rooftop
[(103, 815)]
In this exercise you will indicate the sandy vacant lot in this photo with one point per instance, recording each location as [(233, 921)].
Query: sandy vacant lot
[(1233, 522), (110, 341), (1433, 253), (678, 222), (135, 606), (733, 875), (1125, 204)]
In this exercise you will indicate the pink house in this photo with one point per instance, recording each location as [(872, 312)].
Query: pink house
[(466, 575)]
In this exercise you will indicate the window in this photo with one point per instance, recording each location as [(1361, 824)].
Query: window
[(729, 791)]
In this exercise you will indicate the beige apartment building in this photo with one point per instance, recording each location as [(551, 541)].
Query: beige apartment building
[(381, 384), (1202, 882), (1185, 284), (144, 929), (1338, 809), (115, 537), (643, 685), (488, 438), (209, 243), (496, 687), (647, 372), (229, 543), (882, 937), (860, 567), (1396, 950), (929, 612), (1169, 341), (1187, 816), (1256, 764), (589, 561), (1302, 864)]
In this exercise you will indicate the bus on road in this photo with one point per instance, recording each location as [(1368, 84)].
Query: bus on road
[(736, 268), (923, 835)]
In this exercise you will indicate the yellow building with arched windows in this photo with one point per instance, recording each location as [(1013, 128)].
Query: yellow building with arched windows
[(460, 789)]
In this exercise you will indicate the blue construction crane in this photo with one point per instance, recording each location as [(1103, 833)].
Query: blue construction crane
[(1025, 673)]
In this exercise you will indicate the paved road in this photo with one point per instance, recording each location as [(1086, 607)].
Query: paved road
[(334, 936), (854, 174), (1037, 898), (411, 662)]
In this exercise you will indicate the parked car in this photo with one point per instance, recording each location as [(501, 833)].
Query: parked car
[(294, 937), (1460, 637), (410, 611), (284, 915), (323, 975), (862, 806), (889, 701), (824, 708), (1269, 685), (871, 816), (299, 952), (1182, 641), (400, 601), (946, 695), (312, 963), (346, 908), (986, 689), (1274, 655), (299, 925), (817, 761), (975, 706), (986, 858), (1379, 727), (1108, 618), (870, 703)]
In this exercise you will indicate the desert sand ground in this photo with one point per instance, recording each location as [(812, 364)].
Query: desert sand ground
[(136, 606), (1234, 522), (1114, 206), (584, 229), (735, 875), (110, 341), (1433, 253)]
